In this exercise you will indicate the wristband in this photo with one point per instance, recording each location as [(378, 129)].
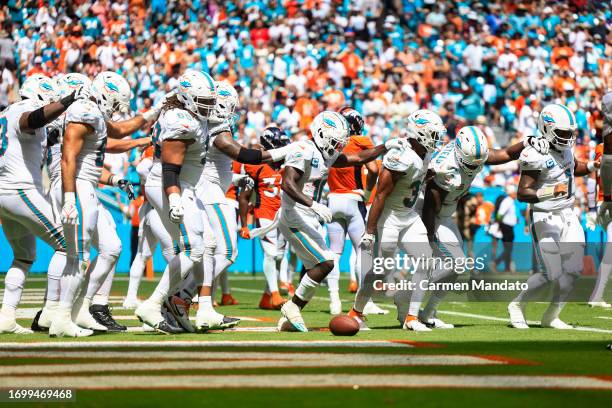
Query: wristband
[(174, 199), (69, 198), (113, 181), (545, 193)]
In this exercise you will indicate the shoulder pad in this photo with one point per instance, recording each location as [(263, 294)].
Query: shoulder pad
[(214, 128), (531, 159), (400, 160), (84, 111), (177, 124)]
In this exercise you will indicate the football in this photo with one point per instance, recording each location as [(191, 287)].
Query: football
[(343, 325)]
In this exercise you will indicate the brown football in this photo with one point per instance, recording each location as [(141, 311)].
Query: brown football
[(343, 325)]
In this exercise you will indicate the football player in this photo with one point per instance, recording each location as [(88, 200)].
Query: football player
[(307, 165), (267, 182), (455, 166), (547, 183), (24, 212), (393, 222), (346, 200), (88, 125)]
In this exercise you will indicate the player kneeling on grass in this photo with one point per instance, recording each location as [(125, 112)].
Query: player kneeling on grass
[(454, 168), (547, 183), (306, 167)]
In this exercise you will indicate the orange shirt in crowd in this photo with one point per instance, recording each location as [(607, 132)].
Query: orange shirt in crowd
[(484, 212), (267, 190), (307, 109), (352, 63), (334, 99), (348, 180)]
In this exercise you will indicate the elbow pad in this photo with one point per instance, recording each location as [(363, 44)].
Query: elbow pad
[(36, 118), (170, 174), (249, 156)]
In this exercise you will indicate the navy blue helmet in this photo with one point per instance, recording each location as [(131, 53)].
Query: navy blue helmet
[(354, 119), (273, 138)]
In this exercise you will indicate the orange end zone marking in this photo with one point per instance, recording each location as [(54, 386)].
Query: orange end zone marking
[(418, 344), (508, 360)]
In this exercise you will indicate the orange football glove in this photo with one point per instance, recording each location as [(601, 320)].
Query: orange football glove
[(245, 233)]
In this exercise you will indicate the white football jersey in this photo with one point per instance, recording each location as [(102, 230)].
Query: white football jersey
[(407, 187), (21, 154), (179, 124), (90, 159), (217, 173), (450, 177), (307, 158), (555, 167)]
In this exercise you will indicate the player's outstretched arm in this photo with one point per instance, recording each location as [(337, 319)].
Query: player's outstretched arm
[(124, 145), (359, 158), (109, 179), (434, 196), (118, 130), (43, 116), (291, 177), (226, 143), (584, 169), (385, 186), (505, 155), (529, 193)]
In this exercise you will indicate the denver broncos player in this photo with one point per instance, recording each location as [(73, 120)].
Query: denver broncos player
[(267, 182), (307, 164), (548, 184)]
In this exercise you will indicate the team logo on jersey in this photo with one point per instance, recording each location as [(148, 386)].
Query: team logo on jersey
[(111, 87)]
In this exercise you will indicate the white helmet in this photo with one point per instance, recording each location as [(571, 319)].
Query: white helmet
[(112, 92), (227, 100), (40, 89), (196, 91), (471, 149), (557, 124), (427, 128), (330, 132), (68, 83)]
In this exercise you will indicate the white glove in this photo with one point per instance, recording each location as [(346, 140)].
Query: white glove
[(242, 181), (70, 213), (367, 242), (176, 208), (322, 211), (604, 214), (82, 92), (396, 143), (538, 143)]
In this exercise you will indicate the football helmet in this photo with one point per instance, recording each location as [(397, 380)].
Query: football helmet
[(427, 128), (330, 132), (197, 92), (557, 124), (227, 100), (68, 83), (354, 119), (39, 88), (273, 138), (112, 93), (471, 149)]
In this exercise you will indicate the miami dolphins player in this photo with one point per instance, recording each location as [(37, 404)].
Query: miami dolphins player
[(548, 184), (306, 169), (24, 212), (455, 166), (392, 221), (88, 125)]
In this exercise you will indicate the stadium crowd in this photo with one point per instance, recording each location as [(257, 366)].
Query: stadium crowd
[(489, 63)]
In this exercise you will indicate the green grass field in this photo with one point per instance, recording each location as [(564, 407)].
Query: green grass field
[(481, 361)]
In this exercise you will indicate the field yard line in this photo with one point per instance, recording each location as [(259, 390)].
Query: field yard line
[(603, 317), (335, 380), (202, 343)]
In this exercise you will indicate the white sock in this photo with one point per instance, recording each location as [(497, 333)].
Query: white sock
[(101, 297), (334, 276), (418, 294), (353, 262), (364, 293), (534, 282), (13, 284), (283, 273), (54, 275), (269, 269), (205, 303), (136, 271), (99, 271), (161, 290), (307, 288), (70, 283)]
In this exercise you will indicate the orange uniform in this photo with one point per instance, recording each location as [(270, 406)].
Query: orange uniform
[(267, 189), (231, 192), (348, 180)]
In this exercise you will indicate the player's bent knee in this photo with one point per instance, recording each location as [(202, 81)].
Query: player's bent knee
[(196, 254)]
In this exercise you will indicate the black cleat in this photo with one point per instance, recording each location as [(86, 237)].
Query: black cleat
[(35, 326), (226, 323), (166, 328), (102, 315), (179, 310)]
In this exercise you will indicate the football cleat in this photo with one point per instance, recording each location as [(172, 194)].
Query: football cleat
[(166, 328), (36, 327), (277, 300), (271, 301), (85, 320), (603, 304), (63, 326), (103, 315), (293, 314), (149, 313), (353, 286), (130, 303), (412, 323), (557, 324), (517, 319), (286, 289), (335, 307), (179, 309), (8, 324), (436, 323), (228, 300), (211, 320), (372, 308), (361, 319)]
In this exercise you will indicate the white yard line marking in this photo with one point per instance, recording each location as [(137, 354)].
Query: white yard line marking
[(259, 329), (222, 361), (603, 317), (311, 381), (202, 343)]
